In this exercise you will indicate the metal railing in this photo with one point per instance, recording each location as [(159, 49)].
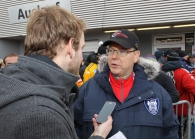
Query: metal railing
[(189, 117)]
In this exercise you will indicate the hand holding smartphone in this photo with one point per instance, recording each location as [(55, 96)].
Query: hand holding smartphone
[(106, 111)]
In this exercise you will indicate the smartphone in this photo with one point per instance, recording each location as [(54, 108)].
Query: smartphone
[(105, 111)]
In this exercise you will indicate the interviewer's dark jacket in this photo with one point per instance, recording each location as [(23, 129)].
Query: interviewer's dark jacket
[(35, 96)]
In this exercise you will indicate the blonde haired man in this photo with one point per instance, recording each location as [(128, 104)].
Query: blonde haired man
[(36, 93)]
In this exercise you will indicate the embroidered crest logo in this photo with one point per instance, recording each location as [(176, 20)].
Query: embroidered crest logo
[(152, 105)]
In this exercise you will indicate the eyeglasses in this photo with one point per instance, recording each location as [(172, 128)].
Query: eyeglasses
[(119, 52)]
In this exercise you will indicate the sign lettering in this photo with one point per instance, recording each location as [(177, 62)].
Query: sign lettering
[(20, 13)]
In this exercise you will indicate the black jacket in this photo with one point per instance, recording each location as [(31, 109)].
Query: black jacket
[(165, 81)]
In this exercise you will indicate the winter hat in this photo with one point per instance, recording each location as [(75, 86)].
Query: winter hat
[(124, 38), (172, 56), (101, 50), (158, 54), (151, 57), (183, 53)]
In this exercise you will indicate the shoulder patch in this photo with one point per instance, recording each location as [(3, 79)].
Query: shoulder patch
[(152, 105)]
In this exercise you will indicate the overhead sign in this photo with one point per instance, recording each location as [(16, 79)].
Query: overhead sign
[(20, 13)]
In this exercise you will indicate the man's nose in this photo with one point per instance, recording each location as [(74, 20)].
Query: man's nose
[(115, 54)]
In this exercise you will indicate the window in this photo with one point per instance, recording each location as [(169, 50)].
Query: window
[(169, 39)]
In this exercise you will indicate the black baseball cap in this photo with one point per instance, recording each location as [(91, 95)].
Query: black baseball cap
[(125, 38)]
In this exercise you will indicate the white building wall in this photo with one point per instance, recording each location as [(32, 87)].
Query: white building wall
[(103, 14), (7, 29), (19, 28), (117, 13)]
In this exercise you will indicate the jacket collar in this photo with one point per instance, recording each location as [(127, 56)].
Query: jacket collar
[(150, 68), (55, 83), (145, 70), (35, 71), (140, 91), (51, 74)]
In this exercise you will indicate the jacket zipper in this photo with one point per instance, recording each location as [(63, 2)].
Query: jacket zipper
[(122, 92)]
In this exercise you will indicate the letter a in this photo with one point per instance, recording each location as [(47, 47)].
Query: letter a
[(20, 14)]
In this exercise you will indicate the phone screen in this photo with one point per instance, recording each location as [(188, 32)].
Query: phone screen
[(105, 111)]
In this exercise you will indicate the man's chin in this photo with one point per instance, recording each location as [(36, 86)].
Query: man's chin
[(114, 71)]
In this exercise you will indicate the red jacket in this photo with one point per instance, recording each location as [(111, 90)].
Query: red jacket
[(185, 84)]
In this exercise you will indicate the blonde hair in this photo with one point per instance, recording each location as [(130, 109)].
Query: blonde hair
[(48, 27)]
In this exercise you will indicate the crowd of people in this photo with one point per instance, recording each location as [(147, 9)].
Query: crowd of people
[(48, 93)]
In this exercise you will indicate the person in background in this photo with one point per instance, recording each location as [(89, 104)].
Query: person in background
[(191, 60), (158, 54), (160, 57), (164, 80), (83, 67), (91, 69), (183, 58), (184, 83), (2, 65), (36, 95), (143, 108), (10, 59)]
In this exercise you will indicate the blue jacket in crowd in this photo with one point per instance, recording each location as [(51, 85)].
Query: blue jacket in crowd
[(185, 65), (147, 113)]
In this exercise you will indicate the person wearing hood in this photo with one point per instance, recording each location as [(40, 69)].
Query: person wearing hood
[(143, 108), (183, 80), (36, 94), (183, 58)]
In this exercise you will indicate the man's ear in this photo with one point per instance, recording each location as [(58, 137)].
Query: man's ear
[(137, 55), (70, 47)]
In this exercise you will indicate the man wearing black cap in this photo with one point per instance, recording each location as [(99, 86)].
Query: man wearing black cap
[(183, 58), (143, 108)]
